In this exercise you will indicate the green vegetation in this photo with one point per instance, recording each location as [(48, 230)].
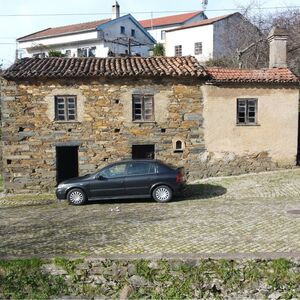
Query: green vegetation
[(55, 53), (22, 279), (159, 50), (162, 279)]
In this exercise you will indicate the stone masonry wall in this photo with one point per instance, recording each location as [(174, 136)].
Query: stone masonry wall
[(105, 131)]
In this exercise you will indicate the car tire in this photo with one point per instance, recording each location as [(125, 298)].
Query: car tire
[(76, 197), (162, 194)]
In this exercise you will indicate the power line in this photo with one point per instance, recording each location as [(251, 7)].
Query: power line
[(143, 12)]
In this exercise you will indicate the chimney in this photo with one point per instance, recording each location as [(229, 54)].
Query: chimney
[(278, 47), (116, 11)]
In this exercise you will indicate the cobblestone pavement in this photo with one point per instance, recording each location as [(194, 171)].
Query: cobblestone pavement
[(244, 214)]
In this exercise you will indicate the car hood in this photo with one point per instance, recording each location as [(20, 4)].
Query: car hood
[(77, 179)]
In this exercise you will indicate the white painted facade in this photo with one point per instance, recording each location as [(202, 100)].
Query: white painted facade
[(159, 32), (219, 38), (107, 37), (187, 39)]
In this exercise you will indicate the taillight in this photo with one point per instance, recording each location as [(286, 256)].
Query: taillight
[(179, 178)]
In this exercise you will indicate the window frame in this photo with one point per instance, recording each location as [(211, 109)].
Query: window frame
[(122, 30), (142, 99), (66, 108), (176, 48), (247, 122), (198, 48), (133, 32), (163, 35)]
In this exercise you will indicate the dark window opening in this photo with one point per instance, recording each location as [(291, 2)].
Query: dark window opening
[(9, 161), (178, 50), (178, 145), (198, 48), (21, 129), (246, 111), (117, 130), (143, 108), (132, 32), (66, 163), (117, 101), (65, 108), (122, 30), (143, 152), (163, 130)]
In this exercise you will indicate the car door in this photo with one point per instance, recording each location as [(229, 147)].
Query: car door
[(140, 177), (109, 182)]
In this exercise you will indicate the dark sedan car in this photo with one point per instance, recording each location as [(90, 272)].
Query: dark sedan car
[(124, 180)]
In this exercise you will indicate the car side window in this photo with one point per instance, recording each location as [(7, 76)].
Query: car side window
[(140, 168), (118, 170)]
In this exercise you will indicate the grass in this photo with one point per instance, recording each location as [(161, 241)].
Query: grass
[(23, 279)]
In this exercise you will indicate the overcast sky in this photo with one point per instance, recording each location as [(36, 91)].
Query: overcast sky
[(12, 27)]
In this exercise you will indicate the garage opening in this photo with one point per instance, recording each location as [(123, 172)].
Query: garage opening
[(143, 151), (66, 163)]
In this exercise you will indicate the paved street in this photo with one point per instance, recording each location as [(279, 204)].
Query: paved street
[(245, 214)]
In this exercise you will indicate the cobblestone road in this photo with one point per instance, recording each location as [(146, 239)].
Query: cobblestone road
[(245, 214)]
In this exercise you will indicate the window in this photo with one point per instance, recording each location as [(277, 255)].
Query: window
[(39, 55), (178, 145), (114, 171), (198, 48), (122, 30), (65, 108), (140, 168), (68, 53), (92, 52), (246, 111), (163, 34), (143, 108), (178, 50), (82, 52), (133, 32)]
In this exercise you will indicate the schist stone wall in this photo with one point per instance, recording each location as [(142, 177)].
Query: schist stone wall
[(104, 131)]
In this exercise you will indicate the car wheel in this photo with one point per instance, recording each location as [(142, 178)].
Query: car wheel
[(76, 197), (162, 194)]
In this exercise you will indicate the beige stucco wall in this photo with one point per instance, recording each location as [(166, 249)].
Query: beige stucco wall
[(277, 130)]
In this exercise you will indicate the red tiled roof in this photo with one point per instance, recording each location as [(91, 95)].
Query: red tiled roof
[(62, 30), (275, 75), (203, 22), (40, 68), (169, 20)]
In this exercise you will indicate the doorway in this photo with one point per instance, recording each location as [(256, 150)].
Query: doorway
[(143, 151), (66, 163)]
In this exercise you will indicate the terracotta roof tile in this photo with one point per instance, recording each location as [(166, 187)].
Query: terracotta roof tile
[(63, 30), (169, 20), (39, 68), (202, 22), (275, 75)]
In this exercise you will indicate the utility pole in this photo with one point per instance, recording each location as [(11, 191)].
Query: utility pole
[(129, 46)]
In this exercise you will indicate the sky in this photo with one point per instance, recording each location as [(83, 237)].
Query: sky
[(12, 27)]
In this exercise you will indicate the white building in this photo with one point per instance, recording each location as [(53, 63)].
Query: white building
[(157, 27), (211, 38), (111, 37)]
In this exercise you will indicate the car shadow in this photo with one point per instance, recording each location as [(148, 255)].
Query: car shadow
[(190, 192), (201, 191)]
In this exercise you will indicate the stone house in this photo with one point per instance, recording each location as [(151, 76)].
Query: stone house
[(64, 117), (119, 35)]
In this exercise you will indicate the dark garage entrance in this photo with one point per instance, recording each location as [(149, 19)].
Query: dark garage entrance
[(66, 162), (143, 152)]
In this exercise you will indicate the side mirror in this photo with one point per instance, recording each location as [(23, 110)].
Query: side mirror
[(100, 177)]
